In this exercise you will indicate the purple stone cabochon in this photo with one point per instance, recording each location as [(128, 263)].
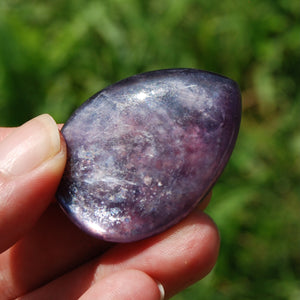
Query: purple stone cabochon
[(143, 152)]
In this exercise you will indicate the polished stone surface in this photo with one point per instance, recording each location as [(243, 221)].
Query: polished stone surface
[(143, 152)]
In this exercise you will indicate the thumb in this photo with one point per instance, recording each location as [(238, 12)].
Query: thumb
[(32, 160)]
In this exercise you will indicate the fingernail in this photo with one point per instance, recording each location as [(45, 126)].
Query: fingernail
[(161, 290), (29, 145)]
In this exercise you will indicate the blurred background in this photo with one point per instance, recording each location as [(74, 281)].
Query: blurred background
[(56, 54)]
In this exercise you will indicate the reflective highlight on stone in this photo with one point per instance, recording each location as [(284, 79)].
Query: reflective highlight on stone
[(143, 152)]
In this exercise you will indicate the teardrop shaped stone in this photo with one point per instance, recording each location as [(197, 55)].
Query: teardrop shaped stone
[(143, 152)]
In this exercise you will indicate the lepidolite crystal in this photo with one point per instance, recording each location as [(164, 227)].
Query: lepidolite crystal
[(143, 152)]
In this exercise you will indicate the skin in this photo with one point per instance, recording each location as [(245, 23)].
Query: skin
[(44, 256)]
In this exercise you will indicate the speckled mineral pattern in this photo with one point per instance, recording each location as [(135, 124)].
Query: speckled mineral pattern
[(143, 152)]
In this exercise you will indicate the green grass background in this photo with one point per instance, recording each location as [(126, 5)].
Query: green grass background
[(55, 54)]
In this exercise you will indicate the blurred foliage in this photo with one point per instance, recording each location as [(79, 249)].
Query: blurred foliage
[(55, 54)]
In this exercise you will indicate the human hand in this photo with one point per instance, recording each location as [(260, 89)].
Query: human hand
[(44, 256)]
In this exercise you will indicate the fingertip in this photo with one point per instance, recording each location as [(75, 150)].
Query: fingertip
[(32, 161), (199, 250), (125, 285), (177, 257)]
